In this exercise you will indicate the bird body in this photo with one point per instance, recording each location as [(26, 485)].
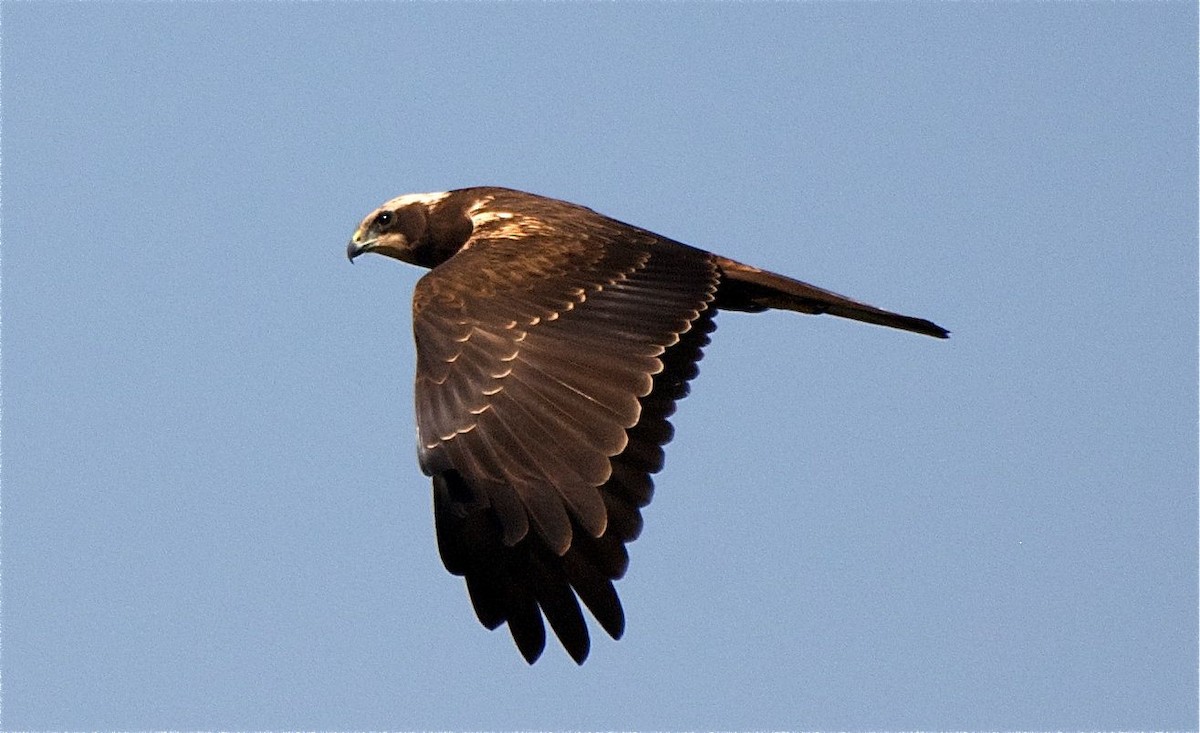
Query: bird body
[(552, 345)]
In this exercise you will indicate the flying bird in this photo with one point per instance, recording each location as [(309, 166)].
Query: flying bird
[(552, 344)]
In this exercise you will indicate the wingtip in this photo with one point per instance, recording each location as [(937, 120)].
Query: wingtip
[(579, 655), (531, 651)]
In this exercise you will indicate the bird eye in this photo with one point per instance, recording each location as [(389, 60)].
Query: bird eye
[(384, 219)]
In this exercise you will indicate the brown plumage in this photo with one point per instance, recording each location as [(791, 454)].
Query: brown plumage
[(552, 345)]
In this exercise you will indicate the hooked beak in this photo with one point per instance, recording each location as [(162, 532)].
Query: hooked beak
[(358, 244)]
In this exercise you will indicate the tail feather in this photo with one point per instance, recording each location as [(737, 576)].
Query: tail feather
[(748, 288)]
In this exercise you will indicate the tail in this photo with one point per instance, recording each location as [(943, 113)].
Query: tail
[(747, 288)]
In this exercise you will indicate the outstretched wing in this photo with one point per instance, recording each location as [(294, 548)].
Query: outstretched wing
[(549, 357)]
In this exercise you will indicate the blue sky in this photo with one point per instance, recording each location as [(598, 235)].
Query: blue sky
[(212, 511)]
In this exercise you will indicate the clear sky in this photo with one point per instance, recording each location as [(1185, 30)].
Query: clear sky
[(212, 511)]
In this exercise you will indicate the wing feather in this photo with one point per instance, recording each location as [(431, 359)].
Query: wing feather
[(547, 365), (569, 480)]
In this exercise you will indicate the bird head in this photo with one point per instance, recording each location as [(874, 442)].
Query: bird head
[(412, 228)]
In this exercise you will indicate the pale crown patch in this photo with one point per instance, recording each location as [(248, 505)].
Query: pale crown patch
[(427, 199)]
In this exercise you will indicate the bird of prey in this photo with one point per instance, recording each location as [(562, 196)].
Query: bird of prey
[(552, 344)]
